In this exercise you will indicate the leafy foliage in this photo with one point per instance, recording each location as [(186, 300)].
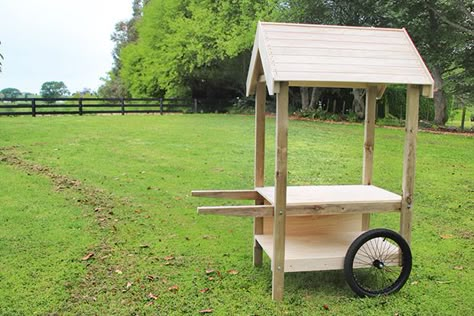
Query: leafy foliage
[(10, 93), (113, 87), (182, 44), (202, 47), (54, 89)]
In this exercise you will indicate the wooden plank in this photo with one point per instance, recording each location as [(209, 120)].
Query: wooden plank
[(366, 77), (302, 54), (255, 68), (318, 252), (339, 37), (259, 171), (331, 29), (281, 172), (358, 85), (227, 194), (365, 65), (316, 224), (409, 160), (260, 210), (343, 208), (337, 45), (246, 210), (369, 138), (420, 60), (331, 194), (266, 60), (428, 91), (381, 90), (321, 57)]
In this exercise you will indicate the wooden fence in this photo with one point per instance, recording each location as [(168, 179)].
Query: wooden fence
[(82, 106)]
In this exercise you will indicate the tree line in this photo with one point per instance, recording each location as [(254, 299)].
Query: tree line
[(201, 48)]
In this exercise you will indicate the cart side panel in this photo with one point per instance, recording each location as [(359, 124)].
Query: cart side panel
[(315, 224)]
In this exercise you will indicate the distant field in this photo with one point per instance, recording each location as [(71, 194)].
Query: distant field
[(97, 218)]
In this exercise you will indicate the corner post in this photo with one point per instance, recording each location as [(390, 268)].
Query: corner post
[(409, 159), (369, 138), (281, 172), (259, 171)]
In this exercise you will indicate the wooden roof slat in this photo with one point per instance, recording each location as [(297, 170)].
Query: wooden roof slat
[(280, 60), (401, 40), (359, 77)]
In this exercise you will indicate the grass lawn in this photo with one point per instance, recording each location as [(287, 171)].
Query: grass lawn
[(456, 118), (97, 218)]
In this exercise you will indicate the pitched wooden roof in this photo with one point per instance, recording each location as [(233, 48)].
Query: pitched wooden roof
[(335, 56)]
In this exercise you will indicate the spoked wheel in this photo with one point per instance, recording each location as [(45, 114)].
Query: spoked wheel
[(378, 262)]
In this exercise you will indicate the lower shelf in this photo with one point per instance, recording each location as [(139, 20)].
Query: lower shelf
[(312, 252), (319, 252)]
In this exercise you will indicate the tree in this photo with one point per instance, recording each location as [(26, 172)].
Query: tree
[(54, 89), (181, 42), (10, 93), (112, 87)]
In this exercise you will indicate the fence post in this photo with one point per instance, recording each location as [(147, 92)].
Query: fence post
[(33, 107), (122, 102), (195, 105), (161, 106), (80, 106)]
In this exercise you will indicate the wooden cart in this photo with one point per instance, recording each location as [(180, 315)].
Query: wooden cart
[(311, 228)]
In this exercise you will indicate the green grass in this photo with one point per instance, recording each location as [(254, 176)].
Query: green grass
[(456, 118), (120, 187)]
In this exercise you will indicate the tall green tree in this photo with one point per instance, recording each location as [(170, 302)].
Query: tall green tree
[(441, 29), (180, 42), (54, 89), (10, 93)]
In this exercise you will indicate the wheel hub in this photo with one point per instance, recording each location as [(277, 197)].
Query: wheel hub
[(378, 264)]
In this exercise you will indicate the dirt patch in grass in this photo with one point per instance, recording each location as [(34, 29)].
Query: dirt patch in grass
[(99, 204), (100, 201)]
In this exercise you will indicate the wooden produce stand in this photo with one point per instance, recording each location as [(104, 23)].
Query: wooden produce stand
[(310, 228)]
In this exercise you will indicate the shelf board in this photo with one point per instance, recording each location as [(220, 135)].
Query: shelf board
[(313, 252), (331, 194)]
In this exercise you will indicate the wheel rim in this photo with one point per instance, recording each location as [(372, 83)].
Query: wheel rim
[(377, 265)]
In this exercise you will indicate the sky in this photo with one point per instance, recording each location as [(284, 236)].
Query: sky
[(58, 40)]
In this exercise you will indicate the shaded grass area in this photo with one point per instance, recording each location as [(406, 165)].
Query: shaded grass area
[(136, 174)]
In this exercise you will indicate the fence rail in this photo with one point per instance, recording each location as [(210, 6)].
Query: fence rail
[(82, 106)]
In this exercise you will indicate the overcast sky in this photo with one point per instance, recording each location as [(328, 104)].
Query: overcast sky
[(57, 40)]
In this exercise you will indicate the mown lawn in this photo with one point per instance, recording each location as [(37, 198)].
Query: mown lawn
[(119, 188)]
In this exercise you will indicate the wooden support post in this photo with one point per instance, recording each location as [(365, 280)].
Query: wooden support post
[(161, 106), (409, 159), (33, 107), (80, 106), (195, 105), (369, 137), (281, 172), (260, 98), (122, 106)]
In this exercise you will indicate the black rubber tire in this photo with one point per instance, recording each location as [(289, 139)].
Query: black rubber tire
[(377, 266)]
